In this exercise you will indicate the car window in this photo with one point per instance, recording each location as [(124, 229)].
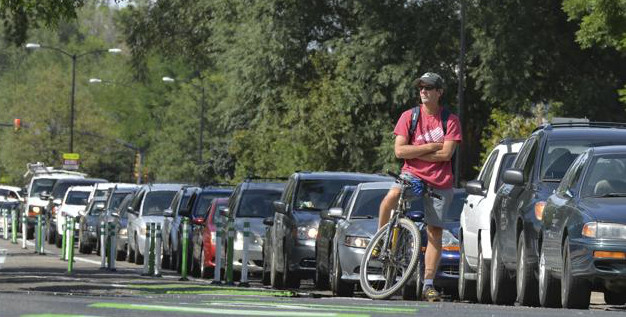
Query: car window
[(157, 201), (606, 176), (367, 202), (257, 203), (287, 196), (42, 185), (77, 198), (558, 156), (317, 194), (116, 200), (100, 193), (219, 205), (530, 161), (96, 208), (507, 162), (203, 202), (123, 208), (523, 153), (486, 173)]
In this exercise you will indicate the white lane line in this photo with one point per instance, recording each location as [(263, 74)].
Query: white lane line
[(79, 259)]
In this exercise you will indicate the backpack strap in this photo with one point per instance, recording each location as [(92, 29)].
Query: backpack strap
[(444, 120), (415, 116)]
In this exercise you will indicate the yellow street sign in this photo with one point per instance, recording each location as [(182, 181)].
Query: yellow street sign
[(71, 156)]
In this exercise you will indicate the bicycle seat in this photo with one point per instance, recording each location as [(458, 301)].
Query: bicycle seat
[(416, 215)]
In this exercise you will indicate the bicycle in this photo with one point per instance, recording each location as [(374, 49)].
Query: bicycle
[(384, 274)]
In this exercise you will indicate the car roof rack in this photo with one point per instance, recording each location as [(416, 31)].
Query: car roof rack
[(551, 126), (41, 168)]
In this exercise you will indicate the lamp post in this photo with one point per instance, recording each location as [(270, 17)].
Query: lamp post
[(74, 57), (202, 109)]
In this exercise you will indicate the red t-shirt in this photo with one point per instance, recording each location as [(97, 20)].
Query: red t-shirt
[(429, 130)]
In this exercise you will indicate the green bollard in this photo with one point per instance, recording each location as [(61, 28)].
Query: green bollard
[(64, 242), (70, 259), (14, 226), (185, 237), (38, 234), (230, 252)]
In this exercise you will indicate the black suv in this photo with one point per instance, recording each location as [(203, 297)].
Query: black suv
[(290, 243), (516, 216)]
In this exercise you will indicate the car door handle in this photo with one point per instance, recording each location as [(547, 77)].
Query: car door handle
[(471, 205)]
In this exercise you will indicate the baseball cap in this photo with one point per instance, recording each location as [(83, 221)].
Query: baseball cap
[(431, 79)]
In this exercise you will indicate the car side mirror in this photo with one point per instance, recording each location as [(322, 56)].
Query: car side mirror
[(130, 209), (513, 176), (224, 212), (57, 201), (115, 214), (44, 195), (168, 213), (475, 187), (569, 193), (280, 207), (335, 212), (269, 221)]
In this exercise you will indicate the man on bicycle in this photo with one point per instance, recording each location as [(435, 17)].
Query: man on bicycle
[(427, 157)]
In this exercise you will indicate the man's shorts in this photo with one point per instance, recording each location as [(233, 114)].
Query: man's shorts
[(435, 209)]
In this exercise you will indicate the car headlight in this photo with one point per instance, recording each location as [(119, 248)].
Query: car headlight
[(91, 228), (36, 209), (604, 230), (306, 233), (356, 242), (449, 242), (123, 232)]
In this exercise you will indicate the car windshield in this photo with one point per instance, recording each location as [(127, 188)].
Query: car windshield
[(203, 203), (257, 203), (100, 193), (77, 198), (156, 201), (42, 185), (368, 202), (317, 194), (116, 200), (606, 177)]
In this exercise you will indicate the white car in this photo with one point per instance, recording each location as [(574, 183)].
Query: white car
[(75, 201), (475, 222), (11, 193)]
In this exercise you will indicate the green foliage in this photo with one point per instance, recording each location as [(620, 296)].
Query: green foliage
[(602, 22)]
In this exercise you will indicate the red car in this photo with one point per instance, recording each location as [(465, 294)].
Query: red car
[(203, 259)]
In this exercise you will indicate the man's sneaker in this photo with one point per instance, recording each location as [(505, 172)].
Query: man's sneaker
[(430, 294)]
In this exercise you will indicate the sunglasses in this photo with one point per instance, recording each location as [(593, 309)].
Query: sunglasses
[(427, 88)]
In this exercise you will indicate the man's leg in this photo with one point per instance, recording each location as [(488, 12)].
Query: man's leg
[(433, 252), (390, 201)]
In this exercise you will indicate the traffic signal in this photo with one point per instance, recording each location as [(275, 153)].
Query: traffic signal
[(17, 124)]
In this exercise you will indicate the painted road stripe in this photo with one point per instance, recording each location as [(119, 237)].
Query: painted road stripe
[(55, 315), (79, 259), (297, 306), (221, 311), (3, 257)]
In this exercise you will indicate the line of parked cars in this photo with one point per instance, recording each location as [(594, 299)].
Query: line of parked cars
[(546, 226)]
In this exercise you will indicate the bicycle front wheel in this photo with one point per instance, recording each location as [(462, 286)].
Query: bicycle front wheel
[(382, 275)]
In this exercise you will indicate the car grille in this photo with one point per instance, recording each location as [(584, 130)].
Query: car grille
[(449, 269), (307, 262)]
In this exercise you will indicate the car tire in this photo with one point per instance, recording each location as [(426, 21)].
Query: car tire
[(51, 236), (120, 256), (82, 247), (276, 278), (409, 291), (339, 287), (321, 275), (525, 280), (138, 257), (130, 253), (165, 262), (483, 294), (614, 298), (266, 274), (500, 284), (58, 241), (290, 278), (30, 234), (575, 292), (466, 287), (549, 288)]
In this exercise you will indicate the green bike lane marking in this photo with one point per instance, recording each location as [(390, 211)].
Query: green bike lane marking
[(56, 315), (221, 311), (174, 289)]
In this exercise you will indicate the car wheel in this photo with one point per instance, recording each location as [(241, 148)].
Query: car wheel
[(82, 248), (466, 287), (121, 255), (51, 236), (130, 253), (340, 287), (266, 275), (165, 262), (30, 234), (614, 298), (290, 279), (549, 292), (276, 278), (575, 292), (138, 257), (482, 278), (525, 276), (321, 275), (501, 284)]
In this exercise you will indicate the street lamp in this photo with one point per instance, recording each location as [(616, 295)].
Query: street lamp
[(202, 107), (74, 57)]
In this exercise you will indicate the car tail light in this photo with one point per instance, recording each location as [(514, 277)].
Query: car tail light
[(539, 206)]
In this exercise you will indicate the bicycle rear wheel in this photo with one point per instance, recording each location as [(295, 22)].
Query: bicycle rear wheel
[(382, 276)]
